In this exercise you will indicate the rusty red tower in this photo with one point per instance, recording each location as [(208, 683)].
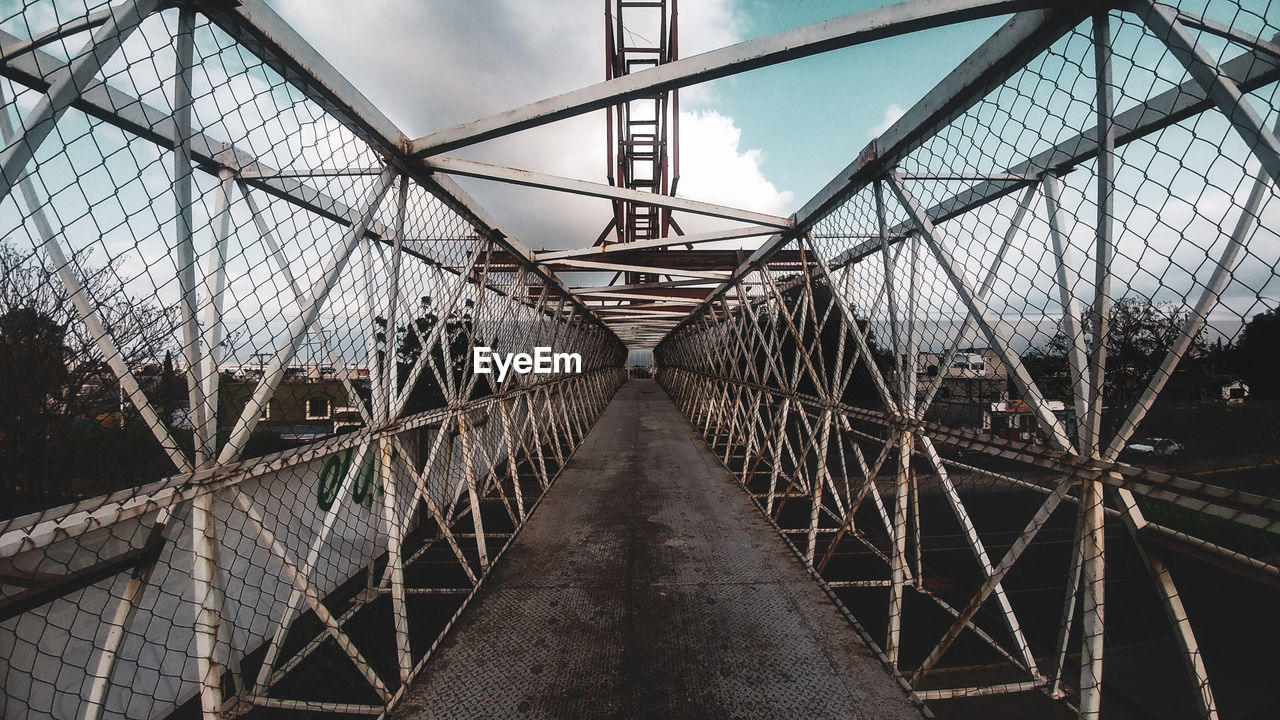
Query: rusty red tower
[(643, 133)]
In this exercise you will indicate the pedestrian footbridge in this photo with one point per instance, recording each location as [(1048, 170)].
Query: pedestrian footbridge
[(648, 584), (985, 428)]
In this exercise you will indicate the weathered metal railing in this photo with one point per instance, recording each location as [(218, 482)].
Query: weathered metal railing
[(209, 232), (201, 168), (1086, 171)]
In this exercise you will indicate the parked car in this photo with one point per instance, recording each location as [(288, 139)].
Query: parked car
[(1162, 447)]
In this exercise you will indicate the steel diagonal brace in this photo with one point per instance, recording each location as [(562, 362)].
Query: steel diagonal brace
[(997, 575), (67, 85), (67, 29), (426, 356), (419, 480), (1163, 22), (868, 486), (481, 305), (1067, 282), (468, 168), (796, 335), (277, 254), (988, 282), (760, 52), (821, 477), (980, 554), (869, 473), (824, 421), (978, 309), (846, 274), (818, 324), (302, 324), (121, 621), (1195, 322), (891, 294), (797, 475), (212, 303), (1235, 35), (491, 479), (383, 370), (89, 316), (394, 570), (265, 674), (863, 349), (1090, 424), (303, 586), (766, 343)]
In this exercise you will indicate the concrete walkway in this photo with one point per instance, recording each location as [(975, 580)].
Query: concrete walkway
[(646, 585)]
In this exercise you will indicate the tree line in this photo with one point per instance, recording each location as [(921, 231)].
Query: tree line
[(68, 432)]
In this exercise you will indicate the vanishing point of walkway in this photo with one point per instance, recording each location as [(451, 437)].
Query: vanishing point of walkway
[(647, 585)]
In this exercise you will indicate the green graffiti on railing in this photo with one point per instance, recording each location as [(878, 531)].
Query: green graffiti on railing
[(365, 484)]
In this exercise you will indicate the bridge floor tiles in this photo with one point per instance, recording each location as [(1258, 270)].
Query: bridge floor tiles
[(647, 585)]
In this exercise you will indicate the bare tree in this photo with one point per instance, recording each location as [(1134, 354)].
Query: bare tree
[(1140, 333), (52, 373)]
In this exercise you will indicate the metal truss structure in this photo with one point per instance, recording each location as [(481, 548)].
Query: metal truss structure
[(225, 578), (647, 154), (194, 177)]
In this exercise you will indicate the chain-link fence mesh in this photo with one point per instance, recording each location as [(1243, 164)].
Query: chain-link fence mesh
[(1011, 390), (1017, 427), (247, 461)]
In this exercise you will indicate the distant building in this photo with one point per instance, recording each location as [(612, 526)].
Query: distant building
[(1015, 420), (301, 408), (1234, 393), (975, 378), (300, 372)]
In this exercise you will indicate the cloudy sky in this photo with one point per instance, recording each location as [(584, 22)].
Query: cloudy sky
[(763, 141)]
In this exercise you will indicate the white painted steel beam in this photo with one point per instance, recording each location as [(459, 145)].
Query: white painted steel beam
[(595, 290), (691, 239), (594, 300), (1163, 21), (1068, 282), (516, 176), (1104, 231), (978, 309), (854, 29), (92, 20), (66, 85)]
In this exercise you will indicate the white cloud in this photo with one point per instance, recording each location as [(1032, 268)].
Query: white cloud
[(891, 115), (706, 26), (432, 65), (715, 168)]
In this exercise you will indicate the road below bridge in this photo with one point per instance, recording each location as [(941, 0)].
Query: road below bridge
[(646, 585)]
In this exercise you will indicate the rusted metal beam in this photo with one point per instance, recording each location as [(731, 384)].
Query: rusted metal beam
[(691, 239), (721, 260)]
